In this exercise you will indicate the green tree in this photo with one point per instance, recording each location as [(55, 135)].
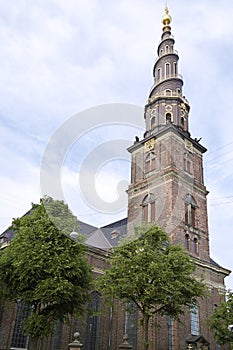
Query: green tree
[(155, 275), (44, 268), (221, 319)]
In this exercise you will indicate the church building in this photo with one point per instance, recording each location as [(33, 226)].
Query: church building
[(167, 188)]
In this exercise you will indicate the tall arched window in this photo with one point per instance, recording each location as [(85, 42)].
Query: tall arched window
[(194, 320), (174, 68), (19, 340), (57, 336), (93, 323), (148, 208), (168, 118), (131, 322), (182, 122), (152, 123), (170, 324), (167, 69), (159, 74), (150, 163), (190, 210)]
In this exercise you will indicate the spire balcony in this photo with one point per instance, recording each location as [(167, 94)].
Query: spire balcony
[(174, 94), (166, 53)]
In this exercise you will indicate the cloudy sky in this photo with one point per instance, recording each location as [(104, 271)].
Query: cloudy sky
[(61, 57)]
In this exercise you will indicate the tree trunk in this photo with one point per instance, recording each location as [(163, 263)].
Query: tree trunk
[(145, 330)]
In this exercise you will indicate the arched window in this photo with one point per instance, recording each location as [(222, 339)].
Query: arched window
[(152, 123), (195, 246), (150, 163), (19, 340), (170, 324), (148, 208), (187, 241), (168, 92), (93, 322), (57, 336), (182, 122), (174, 68), (167, 48), (194, 320), (131, 322), (167, 69), (190, 209), (159, 74), (168, 118)]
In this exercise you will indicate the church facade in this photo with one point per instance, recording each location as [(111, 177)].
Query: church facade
[(167, 187)]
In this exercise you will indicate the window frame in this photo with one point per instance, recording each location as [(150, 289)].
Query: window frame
[(194, 320), (190, 210), (149, 208)]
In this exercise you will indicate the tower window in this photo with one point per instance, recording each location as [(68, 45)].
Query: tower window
[(195, 246), (167, 48), (168, 118), (148, 209), (150, 163), (182, 122), (190, 210), (168, 92), (159, 74), (167, 69), (152, 123), (174, 68), (187, 241)]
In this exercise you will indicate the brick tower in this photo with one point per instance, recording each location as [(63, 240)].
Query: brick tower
[(167, 185)]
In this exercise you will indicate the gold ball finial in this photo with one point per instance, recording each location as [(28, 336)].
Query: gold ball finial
[(166, 20)]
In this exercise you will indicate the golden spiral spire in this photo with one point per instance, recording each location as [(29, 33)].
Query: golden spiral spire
[(166, 20)]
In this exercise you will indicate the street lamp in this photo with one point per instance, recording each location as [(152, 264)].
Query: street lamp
[(75, 345), (74, 234)]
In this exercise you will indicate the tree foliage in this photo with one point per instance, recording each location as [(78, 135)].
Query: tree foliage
[(155, 275), (221, 319), (45, 269)]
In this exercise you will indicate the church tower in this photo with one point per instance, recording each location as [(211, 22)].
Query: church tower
[(167, 184)]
